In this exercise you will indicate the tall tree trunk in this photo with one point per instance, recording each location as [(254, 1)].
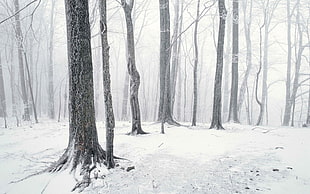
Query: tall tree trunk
[(19, 38), (217, 98), (260, 116), (164, 112), (84, 152), (176, 43), (30, 90), (3, 112), (195, 66), (233, 106), (247, 21), (292, 94), (226, 68), (132, 71), (109, 115), (51, 109), (287, 111)]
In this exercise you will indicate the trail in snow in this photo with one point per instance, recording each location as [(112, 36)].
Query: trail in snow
[(240, 159)]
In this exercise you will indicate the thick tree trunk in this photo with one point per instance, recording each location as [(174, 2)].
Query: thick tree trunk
[(51, 109), (195, 66), (109, 115), (83, 149), (164, 112), (132, 71), (3, 112), (19, 38), (217, 99), (247, 32), (233, 106)]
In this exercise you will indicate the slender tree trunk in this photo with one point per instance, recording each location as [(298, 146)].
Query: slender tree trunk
[(30, 90), (217, 99), (226, 68), (125, 98), (195, 66), (287, 112), (19, 38), (260, 116), (65, 98), (109, 115), (51, 109), (3, 112), (308, 112), (247, 32), (132, 71), (233, 106), (84, 152), (59, 106), (176, 41)]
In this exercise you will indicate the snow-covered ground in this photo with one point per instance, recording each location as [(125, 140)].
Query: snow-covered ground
[(240, 159)]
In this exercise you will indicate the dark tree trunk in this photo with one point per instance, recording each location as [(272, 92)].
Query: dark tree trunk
[(51, 109), (217, 98), (195, 66), (109, 115), (233, 106), (19, 38), (164, 112), (132, 71), (83, 148), (2, 96)]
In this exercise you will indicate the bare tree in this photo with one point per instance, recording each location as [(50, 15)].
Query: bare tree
[(19, 38), (233, 106), (164, 112), (217, 98), (132, 70), (84, 151), (247, 23), (195, 66), (109, 115), (51, 109)]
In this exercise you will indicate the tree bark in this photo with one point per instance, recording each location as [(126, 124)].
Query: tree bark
[(83, 152), (217, 98), (195, 67), (19, 38), (109, 115), (132, 71), (233, 106), (164, 112)]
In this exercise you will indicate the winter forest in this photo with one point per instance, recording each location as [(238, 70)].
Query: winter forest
[(143, 96)]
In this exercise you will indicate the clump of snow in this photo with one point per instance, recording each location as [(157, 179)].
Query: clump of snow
[(240, 159)]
